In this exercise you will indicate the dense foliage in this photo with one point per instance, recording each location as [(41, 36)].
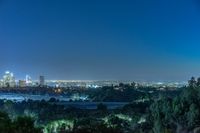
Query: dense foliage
[(150, 110), (180, 114), (19, 125)]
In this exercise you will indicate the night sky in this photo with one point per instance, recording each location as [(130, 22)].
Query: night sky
[(100, 39)]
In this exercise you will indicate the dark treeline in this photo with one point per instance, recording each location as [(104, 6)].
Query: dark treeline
[(129, 93)]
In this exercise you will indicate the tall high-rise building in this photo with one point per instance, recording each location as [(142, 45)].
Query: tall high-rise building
[(28, 80), (42, 81), (1, 83), (9, 79), (22, 83)]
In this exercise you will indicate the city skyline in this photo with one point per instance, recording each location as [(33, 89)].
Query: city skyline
[(10, 81), (101, 40), (29, 79)]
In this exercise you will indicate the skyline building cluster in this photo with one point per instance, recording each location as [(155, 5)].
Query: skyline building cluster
[(10, 81)]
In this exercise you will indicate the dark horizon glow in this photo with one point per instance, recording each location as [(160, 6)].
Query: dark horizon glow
[(100, 39)]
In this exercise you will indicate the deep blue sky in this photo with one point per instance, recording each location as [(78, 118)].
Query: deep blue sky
[(101, 39)]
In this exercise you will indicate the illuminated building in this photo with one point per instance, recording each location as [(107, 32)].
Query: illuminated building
[(42, 81), (1, 83), (22, 83), (28, 80), (9, 79)]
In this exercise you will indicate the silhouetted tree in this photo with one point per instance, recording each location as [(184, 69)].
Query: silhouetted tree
[(198, 81), (25, 125), (5, 123), (133, 84), (52, 99), (192, 82), (102, 107)]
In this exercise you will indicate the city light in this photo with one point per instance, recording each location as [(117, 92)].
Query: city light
[(9, 81)]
